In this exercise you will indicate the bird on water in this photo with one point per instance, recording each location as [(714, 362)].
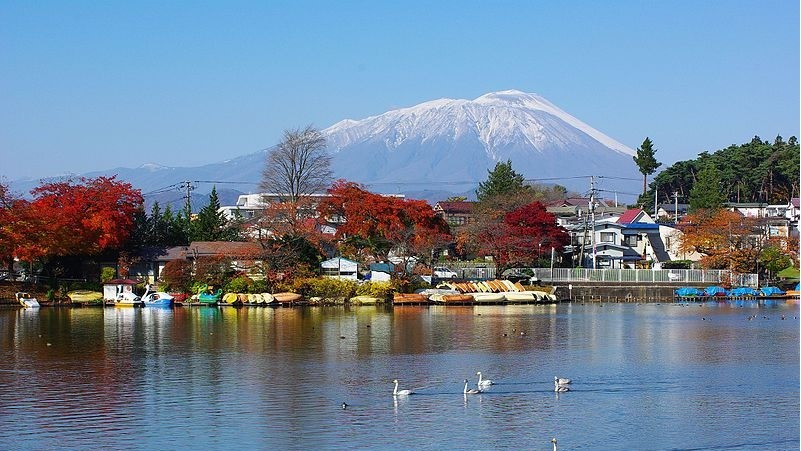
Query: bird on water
[(561, 380), (470, 391), (483, 382), (397, 392)]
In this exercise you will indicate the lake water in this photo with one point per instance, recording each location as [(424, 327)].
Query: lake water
[(645, 377)]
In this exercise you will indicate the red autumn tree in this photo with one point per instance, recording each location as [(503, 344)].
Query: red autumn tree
[(373, 225), (12, 209), (86, 216), (515, 238)]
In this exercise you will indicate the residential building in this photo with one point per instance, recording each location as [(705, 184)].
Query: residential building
[(455, 213)]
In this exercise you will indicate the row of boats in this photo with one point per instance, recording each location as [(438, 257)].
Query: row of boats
[(736, 292), (467, 293)]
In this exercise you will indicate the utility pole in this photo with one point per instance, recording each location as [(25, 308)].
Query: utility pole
[(188, 187), (592, 219), (676, 199)]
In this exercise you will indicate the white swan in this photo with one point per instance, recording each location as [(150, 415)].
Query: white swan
[(553, 440), (483, 383), (470, 391), (397, 392), (560, 388), (561, 380)]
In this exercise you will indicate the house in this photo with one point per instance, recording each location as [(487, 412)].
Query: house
[(339, 268), (245, 256), (630, 240), (249, 208), (455, 213), (151, 262), (575, 210), (748, 209), (671, 212)]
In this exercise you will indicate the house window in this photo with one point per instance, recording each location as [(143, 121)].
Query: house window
[(607, 237), (630, 240)]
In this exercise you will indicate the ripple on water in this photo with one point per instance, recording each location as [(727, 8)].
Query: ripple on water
[(645, 377)]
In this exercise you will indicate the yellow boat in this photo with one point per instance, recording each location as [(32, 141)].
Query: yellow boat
[(86, 297)]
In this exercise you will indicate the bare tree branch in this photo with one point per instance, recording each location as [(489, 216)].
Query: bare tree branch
[(298, 166)]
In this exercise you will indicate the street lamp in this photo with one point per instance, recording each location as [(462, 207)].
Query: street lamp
[(539, 252)]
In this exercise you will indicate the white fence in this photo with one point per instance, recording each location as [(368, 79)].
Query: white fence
[(471, 270), (676, 276)]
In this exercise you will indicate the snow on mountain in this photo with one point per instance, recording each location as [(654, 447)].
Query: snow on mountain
[(440, 146), (448, 141)]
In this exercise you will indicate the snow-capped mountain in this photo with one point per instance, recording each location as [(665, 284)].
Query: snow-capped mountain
[(451, 141), (441, 146)]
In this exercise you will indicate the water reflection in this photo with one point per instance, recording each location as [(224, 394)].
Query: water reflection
[(82, 378)]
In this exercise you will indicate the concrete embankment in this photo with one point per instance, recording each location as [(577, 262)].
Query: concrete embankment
[(616, 291)]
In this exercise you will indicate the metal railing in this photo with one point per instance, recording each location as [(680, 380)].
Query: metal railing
[(478, 271), (675, 276)]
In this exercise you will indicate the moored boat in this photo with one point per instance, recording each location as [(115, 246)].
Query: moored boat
[(209, 296), (772, 292), (453, 299), (409, 298), (521, 296), (229, 299), (127, 299), (287, 298), (157, 299), (688, 292), (715, 291), (85, 297), (179, 298), (487, 298), (26, 300)]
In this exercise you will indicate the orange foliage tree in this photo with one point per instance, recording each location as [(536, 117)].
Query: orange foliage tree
[(77, 217), (727, 239), (370, 226)]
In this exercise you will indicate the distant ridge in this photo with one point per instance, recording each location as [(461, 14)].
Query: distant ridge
[(436, 148)]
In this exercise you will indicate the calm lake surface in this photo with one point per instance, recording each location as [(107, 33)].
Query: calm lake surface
[(645, 377)]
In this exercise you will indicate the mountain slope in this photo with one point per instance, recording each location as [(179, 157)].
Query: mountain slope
[(441, 146), (445, 142)]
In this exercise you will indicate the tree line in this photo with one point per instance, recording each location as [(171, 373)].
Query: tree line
[(91, 219), (757, 171)]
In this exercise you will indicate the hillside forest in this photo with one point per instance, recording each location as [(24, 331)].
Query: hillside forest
[(757, 171)]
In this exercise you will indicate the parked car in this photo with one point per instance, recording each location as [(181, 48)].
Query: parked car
[(442, 272)]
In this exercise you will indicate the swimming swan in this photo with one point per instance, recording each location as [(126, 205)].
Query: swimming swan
[(561, 380), (397, 392), (471, 391), (553, 440), (560, 388), (483, 383)]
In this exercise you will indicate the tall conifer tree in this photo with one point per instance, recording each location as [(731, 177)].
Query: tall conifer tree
[(646, 161), (501, 180), (706, 193)]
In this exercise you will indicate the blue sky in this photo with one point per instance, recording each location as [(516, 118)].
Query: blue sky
[(96, 85)]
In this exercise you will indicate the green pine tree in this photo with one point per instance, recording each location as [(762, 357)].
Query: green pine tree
[(706, 193), (501, 180), (209, 224), (646, 161)]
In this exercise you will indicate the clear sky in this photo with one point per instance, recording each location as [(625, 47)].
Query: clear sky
[(93, 85)]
